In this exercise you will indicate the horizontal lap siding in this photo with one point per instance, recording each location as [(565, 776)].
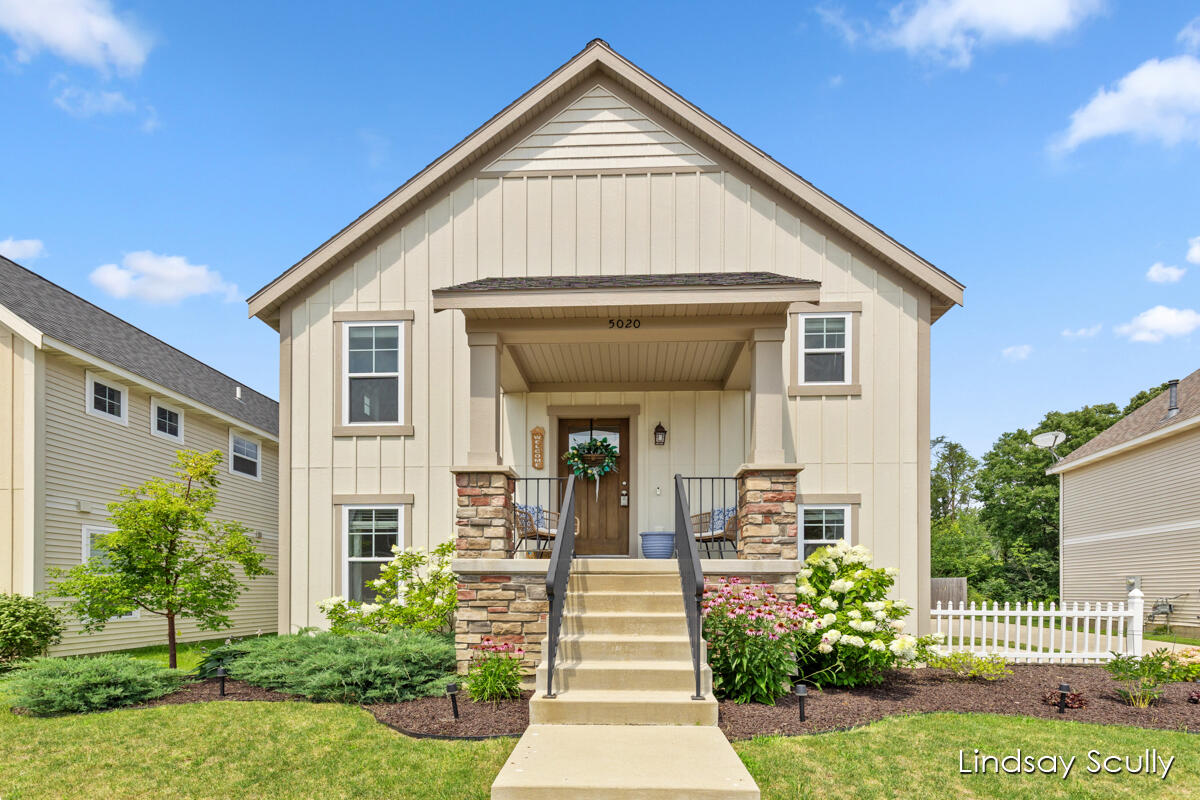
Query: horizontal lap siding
[(89, 459), (1136, 514), (631, 223)]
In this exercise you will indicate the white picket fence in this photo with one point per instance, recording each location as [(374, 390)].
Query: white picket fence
[(1077, 635)]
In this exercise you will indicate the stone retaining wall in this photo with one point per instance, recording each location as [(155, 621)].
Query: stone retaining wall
[(504, 599)]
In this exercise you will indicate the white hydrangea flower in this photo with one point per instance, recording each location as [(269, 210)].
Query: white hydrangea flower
[(806, 572), (852, 641), (833, 635), (829, 602), (369, 608), (880, 615), (891, 572), (829, 619), (897, 624), (877, 645), (825, 647), (874, 605), (938, 637), (805, 590), (841, 586), (329, 602)]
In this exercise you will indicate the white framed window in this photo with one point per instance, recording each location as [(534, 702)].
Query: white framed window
[(370, 533), (825, 348), (106, 399), (823, 525), (245, 455), (92, 546), (372, 390), (166, 420)]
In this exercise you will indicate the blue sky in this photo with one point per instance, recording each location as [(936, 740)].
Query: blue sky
[(166, 160)]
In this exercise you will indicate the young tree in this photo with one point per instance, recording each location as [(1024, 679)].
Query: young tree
[(952, 482), (166, 556)]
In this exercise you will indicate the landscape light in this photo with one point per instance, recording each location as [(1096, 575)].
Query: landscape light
[(221, 673), (1063, 690), (802, 693), (452, 693)]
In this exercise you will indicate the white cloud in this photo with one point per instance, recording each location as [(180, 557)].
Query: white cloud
[(1193, 253), (22, 249), (1082, 333), (1018, 352), (835, 18), (87, 32), (1161, 273), (157, 278), (1189, 37), (1160, 322), (88, 103), (1160, 100), (951, 30)]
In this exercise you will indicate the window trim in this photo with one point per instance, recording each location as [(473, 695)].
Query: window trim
[(401, 534), (156, 404), (849, 526), (851, 385), (343, 320), (90, 381), (234, 432), (88, 530)]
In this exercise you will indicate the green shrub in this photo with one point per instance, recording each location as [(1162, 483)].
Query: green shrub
[(495, 672), (221, 655), (752, 635), (1185, 665), (363, 668), (966, 665), (1143, 678), (28, 626), (49, 686), (858, 634), (414, 591)]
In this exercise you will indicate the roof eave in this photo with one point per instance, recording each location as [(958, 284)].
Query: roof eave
[(1141, 441)]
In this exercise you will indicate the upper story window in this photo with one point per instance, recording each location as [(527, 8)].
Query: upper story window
[(825, 348), (372, 390), (245, 456), (107, 399), (824, 526), (166, 420)]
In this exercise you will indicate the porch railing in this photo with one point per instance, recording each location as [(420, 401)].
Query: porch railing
[(536, 506), (714, 514), (557, 575), (691, 577)]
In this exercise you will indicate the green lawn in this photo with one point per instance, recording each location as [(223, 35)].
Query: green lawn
[(187, 654)]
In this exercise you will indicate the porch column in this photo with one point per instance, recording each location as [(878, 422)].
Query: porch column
[(766, 397), (483, 442), (483, 511)]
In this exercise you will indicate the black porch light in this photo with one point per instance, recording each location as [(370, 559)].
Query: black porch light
[(452, 693), (1063, 690), (660, 435), (221, 675), (801, 694)]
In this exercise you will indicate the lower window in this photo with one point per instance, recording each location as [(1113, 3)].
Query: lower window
[(371, 533), (93, 546), (824, 526)]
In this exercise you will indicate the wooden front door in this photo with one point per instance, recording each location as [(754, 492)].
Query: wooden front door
[(603, 515)]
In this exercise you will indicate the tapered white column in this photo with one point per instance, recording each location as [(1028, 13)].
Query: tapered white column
[(483, 443), (766, 397)]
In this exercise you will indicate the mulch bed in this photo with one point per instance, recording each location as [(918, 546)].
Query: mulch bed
[(433, 717), (210, 689), (930, 690)]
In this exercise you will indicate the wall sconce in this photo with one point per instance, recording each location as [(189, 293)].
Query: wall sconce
[(660, 435)]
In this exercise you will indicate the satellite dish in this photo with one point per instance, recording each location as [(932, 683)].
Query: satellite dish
[(1050, 439)]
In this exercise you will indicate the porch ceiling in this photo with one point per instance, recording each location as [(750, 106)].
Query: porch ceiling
[(695, 364)]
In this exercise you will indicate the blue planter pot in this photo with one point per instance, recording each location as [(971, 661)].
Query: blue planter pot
[(658, 544)]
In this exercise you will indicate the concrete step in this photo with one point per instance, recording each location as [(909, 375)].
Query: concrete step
[(601, 647), (604, 707), (614, 566), (597, 762), (664, 676), (640, 602), (625, 582), (661, 623)]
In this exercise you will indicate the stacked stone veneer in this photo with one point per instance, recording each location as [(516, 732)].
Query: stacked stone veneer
[(767, 514), (483, 516), (506, 602), (781, 577)]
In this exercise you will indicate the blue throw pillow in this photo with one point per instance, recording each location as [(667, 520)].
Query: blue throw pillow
[(537, 514)]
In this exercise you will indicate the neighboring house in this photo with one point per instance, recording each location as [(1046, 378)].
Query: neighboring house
[(1130, 509), (89, 404), (601, 256)]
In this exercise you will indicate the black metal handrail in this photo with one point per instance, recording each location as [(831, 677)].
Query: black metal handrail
[(691, 577), (557, 575)]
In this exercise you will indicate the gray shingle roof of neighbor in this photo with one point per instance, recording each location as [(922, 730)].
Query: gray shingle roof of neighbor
[(682, 280), (74, 321), (1147, 419)]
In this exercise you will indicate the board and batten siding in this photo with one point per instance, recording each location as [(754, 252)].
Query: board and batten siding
[(703, 219), (18, 360), (88, 459), (1136, 513)]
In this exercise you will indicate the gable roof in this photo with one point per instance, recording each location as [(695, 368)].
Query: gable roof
[(594, 61), (1146, 424), (51, 311)]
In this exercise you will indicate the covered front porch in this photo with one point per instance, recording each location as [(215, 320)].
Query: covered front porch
[(682, 374)]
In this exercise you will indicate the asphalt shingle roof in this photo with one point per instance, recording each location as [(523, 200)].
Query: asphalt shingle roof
[(72, 320), (683, 280)]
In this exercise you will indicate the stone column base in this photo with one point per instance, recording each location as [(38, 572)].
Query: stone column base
[(767, 526), (483, 514), (504, 600)]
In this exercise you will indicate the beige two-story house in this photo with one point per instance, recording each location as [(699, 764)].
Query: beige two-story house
[(601, 259), (90, 404)]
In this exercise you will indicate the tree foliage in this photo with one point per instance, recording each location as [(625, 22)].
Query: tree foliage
[(952, 482), (167, 556)]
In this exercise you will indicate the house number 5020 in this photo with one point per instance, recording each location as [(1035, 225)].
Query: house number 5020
[(625, 323)]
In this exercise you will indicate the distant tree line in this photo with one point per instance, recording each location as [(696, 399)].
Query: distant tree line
[(995, 520)]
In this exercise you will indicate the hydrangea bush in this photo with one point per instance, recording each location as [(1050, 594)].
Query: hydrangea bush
[(859, 633), (414, 591), (752, 636)]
